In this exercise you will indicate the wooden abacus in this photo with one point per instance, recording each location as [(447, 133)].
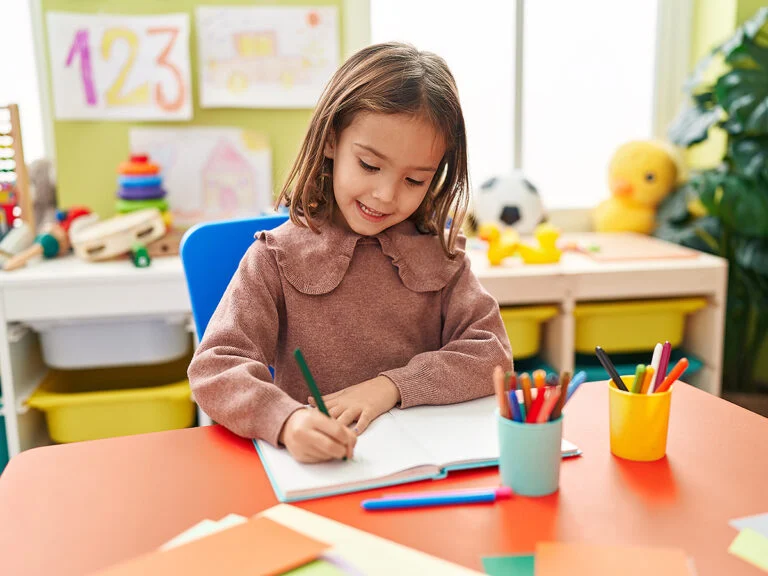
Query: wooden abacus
[(13, 170)]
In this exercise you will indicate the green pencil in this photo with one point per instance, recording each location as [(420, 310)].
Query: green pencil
[(310, 381)]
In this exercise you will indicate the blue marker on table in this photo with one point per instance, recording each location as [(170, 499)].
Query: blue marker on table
[(417, 500)]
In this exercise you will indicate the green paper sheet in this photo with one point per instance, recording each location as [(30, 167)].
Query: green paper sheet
[(316, 568), (751, 546), (521, 565)]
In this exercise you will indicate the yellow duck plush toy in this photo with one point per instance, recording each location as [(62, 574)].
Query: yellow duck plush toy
[(640, 175)]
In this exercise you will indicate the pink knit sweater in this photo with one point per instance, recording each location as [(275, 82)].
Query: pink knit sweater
[(358, 307)]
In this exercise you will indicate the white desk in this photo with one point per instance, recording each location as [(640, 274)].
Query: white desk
[(68, 288)]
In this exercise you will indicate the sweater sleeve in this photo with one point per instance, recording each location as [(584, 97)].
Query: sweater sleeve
[(474, 341), (229, 374)]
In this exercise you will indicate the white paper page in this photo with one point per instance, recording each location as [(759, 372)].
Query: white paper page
[(381, 450), (758, 523), (454, 433), (204, 528), (458, 432)]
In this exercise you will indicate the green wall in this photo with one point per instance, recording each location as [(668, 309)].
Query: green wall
[(88, 152)]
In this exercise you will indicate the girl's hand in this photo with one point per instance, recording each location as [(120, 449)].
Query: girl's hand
[(362, 403), (310, 436)]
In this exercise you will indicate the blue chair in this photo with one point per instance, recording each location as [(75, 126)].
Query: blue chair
[(211, 253)]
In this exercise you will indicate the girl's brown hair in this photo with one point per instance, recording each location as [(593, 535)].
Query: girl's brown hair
[(390, 78)]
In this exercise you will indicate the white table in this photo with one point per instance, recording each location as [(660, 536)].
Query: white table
[(69, 289)]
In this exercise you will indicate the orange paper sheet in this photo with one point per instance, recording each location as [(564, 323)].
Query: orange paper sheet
[(260, 546), (559, 559)]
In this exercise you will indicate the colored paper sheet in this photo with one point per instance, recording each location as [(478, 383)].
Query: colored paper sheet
[(752, 547), (317, 568), (758, 523), (522, 565), (368, 554), (260, 546), (204, 528), (560, 559)]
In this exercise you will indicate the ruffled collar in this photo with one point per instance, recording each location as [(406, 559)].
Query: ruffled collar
[(316, 263)]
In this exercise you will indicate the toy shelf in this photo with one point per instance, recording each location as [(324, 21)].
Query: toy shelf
[(70, 289)]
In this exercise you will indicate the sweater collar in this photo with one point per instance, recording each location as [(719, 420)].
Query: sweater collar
[(315, 263)]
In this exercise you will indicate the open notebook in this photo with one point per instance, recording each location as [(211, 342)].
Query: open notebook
[(400, 446)]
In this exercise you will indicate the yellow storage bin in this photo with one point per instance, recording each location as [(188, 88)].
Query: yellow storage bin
[(84, 408), (523, 325), (632, 326)]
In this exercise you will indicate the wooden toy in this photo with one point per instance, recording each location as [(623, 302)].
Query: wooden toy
[(115, 236), (49, 244), (17, 239), (12, 166)]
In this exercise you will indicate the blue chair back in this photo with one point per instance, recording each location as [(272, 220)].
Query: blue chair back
[(211, 253)]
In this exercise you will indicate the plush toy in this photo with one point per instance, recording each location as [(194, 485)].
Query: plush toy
[(507, 201), (640, 175), (42, 180)]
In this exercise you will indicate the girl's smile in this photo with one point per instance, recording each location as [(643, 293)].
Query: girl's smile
[(383, 165)]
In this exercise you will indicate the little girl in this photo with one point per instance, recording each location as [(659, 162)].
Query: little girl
[(364, 277)]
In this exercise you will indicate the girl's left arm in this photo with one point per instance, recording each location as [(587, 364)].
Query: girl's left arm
[(474, 341)]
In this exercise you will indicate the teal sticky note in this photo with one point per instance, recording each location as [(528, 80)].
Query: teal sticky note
[(520, 565)]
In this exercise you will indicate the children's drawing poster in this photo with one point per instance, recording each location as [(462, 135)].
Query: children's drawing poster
[(110, 67), (265, 57), (210, 173)]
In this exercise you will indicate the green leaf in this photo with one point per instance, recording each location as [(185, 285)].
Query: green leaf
[(752, 254), (745, 33), (738, 202), (750, 156), (744, 95), (692, 125)]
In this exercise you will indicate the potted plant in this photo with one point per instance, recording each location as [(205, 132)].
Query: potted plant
[(724, 210)]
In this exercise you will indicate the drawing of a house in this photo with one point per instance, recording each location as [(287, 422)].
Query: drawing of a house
[(229, 181)]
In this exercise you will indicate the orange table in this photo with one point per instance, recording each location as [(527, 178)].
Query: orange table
[(74, 508)]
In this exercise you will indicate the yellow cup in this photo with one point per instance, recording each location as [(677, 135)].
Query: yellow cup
[(639, 422)]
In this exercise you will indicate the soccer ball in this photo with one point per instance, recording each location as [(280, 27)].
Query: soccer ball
[(508, 200)]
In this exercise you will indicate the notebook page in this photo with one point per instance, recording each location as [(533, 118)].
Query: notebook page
[(381, 450), (455, 433), (458, 433)]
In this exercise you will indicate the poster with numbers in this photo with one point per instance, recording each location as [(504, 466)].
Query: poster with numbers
[(265, 56), (112, 67)]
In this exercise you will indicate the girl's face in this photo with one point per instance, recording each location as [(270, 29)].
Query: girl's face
[(383, 165)]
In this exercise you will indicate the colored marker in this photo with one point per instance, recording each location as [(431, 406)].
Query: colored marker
[(650, 373), (553, 395), (579, 378), (655, 363), (676, 372), (538, 402), (539, 379), (610, 368), (416, 500), (525, 382), (311, 384), (565, 379), (498, 386), (663, 366), (637, 383), (514, 406)]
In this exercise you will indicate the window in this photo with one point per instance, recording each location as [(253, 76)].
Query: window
[(589, 77), (18, 75), (478, 45)]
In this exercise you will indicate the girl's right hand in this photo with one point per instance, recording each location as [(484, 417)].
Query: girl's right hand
[(311, 436)]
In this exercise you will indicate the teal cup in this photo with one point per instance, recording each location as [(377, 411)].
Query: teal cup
[(529, 456)]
